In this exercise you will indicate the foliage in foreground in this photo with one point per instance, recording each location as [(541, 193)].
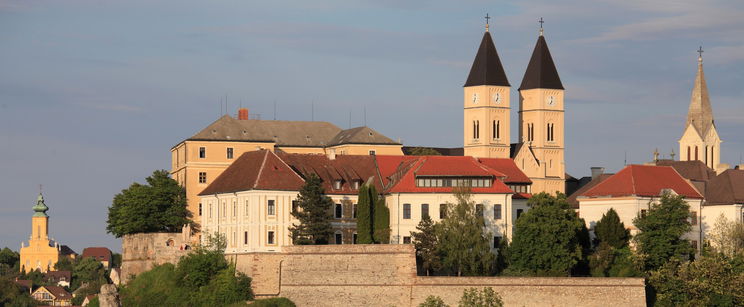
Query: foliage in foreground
[(661, 229), (273, 302), (547, 238), (202, 278), (708, 281), (373, 217), (12, 295), (471, 297), (158, 206)]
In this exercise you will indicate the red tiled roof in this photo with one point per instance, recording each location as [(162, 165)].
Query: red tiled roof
[(522, 196), (347, 168), (643, 180), (98, 253), (57, 275), (400, 173), (572, 199), (24, 283), (59, 293), (508, 168), (255, 170)]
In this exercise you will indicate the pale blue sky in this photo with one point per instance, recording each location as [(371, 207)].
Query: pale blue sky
[(94, 93)]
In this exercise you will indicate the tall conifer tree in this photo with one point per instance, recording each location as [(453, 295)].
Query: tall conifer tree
[(365, 204), (314, 214)]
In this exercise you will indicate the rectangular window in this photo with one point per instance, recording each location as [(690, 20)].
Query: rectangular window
[(224, 209), (337, 185), (202, 177), (200, 209), (245, 237), (246, 208), (643, 213), (354, 238), (235, 208), (356, 184), (497, 212), (353, 211), (339, 238), (229, 153), (210, 210), (406, 240), (694, 244), (295, 206), (442, 211), (270, 238), (424, 211), (406, 211), (202, 152), (372, 152), (693, 218), (479, 209), (496, 242), (519, 212), (271, 209), (339, 212)]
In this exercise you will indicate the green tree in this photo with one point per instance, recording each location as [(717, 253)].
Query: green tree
[(433, 301), (90, 272), (65, 264), (727, 237), (11, 295), (9, 262), (425, 241), (381, 220), (273, 302), (708, 281), (661, 229), (365, 207), (547, 238), (196, 269), (486, 297), (611, 230), (314, 214), (424, 151), (115, 260), (158, 206), (465, 249)]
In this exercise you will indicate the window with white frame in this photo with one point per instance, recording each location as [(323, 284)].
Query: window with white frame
[(271, 207), (270, 237), (497, 211), (339, 238), (406, 211)]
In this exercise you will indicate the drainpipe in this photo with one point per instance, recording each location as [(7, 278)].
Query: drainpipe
[(398, 215)]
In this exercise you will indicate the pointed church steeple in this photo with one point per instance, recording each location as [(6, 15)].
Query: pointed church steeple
[(700, 114), (487, 69), (541, 71)]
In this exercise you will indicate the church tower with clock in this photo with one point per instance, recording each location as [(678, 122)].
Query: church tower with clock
[(486, 107), (541, 122)]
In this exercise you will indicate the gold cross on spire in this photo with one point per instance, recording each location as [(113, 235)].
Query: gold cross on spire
[(541, 26), (700, 53)]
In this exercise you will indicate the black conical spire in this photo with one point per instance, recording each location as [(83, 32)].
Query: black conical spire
[(541, 72), (487, 69)]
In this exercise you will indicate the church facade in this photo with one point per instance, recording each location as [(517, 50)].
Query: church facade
[(41, 253), (539, 148)]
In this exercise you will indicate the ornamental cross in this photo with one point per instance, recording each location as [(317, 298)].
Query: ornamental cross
[(700, 51), (541, 22), (487, 18)]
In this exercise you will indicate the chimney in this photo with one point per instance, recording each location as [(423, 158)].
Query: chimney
[(243, 114), (331, 154), (597, 171)]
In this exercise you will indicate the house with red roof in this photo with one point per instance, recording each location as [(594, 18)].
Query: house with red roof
[(52, 296), (631, 191), (100, 254), (251, 202)]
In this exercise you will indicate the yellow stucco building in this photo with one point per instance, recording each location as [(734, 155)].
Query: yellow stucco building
[(41, 253), (200, 159), (539, 151)]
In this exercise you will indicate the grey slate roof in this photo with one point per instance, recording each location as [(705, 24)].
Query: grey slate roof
[(287, 133), (726, 188), (487, 68), (541, 71), (700, 114)]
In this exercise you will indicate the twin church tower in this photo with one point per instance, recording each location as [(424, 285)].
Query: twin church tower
[(539, 150)]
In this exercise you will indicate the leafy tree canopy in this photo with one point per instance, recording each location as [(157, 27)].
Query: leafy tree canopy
[(158, 206), (547, 238), (425, 241), (611, 230), (464, 247), (314, 214), (661, 229), (486, 297), (708, 281)]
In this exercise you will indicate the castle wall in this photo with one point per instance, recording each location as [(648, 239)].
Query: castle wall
[(142, 251)]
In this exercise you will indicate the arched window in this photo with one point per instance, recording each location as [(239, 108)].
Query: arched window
[(712, 165), (498, 129), (477, 129), (339, 237), (705, 156), (688, 153), (495, 128), (696, 153)]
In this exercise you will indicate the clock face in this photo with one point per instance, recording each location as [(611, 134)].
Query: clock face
[(475, 97), (551, 100), (497, 98)]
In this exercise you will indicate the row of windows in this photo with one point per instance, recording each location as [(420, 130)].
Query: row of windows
[(271, 209), (495, 129), (520, 188), (450, 182), (338, 238), (203, 153), (708, 155), (550, 132), (443, 211), (496, 240)]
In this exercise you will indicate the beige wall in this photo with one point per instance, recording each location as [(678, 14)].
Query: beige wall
[(708, 147), (400, 227), (733, 212), (361, 149), (481, 105), (536, 109), (628, 208), (235, 215)]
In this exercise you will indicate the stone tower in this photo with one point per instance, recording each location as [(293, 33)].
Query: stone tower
[(40, 253), (486, 105), (541, 120), (700, 139)]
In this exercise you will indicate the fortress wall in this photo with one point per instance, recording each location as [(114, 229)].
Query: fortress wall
[(142, 251)]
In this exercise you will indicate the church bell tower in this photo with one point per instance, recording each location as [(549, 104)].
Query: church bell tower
[(541, 120), (486, 104)]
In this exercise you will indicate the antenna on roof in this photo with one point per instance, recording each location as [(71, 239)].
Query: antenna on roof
[(626, 158)]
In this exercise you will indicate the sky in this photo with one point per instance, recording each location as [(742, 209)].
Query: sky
[(93, 94)]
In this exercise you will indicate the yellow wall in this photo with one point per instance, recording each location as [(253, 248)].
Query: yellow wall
[(363, 149), (482, 106), (39, 254), (536, 109)]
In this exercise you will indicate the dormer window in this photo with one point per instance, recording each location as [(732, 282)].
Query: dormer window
[(356, 184), (337, 184)]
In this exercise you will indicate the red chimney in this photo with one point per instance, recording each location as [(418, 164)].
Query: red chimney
[(243, 113)]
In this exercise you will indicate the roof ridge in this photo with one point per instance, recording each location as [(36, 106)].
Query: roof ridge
[(289, 167), (688, 181), (260, 170)]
